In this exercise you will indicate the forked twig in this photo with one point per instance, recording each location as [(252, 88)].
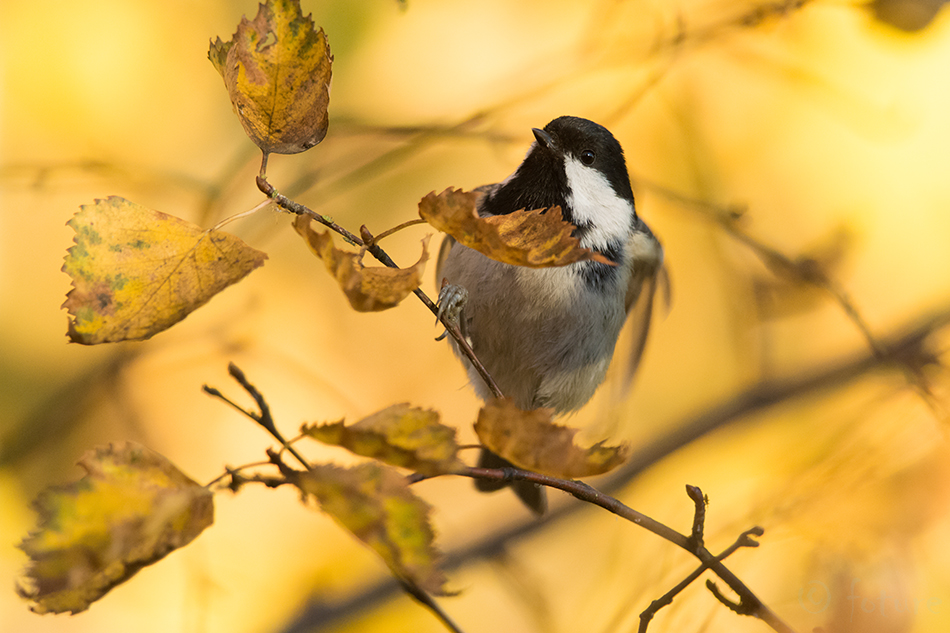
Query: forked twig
[(264, 418)]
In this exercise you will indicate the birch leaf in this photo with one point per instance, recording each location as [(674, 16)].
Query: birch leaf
[(132, 508), (137, 272), (375, 504), (400, 435), (277, 70), (369, 289)]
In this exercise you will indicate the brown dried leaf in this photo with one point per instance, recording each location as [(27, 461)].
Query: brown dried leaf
[(538, 238), (400, 435), (277, 71), (137, 272), (374, 502), (530, 440), (368, 289), (132, 508)]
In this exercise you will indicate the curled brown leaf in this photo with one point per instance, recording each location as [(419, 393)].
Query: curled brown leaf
[(536, 238), (369, 289)]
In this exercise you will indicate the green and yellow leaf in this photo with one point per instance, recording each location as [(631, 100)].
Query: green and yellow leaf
[(369, 289), (400, 435), (132, 508), (374, 503), (538, 238), (277, 70), (530, 440), (137, 272)]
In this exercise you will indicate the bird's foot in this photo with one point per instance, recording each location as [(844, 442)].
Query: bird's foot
[(452, 299)]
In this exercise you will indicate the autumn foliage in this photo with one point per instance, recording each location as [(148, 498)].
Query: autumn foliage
[(137, 272)]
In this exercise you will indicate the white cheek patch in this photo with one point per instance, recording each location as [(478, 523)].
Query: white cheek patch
[(596, 204)]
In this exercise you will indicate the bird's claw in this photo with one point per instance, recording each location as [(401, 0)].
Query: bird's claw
[(452, 299)]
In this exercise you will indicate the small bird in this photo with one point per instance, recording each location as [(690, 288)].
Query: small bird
[(547, 335)]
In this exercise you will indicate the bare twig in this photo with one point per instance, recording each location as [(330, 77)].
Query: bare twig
[(395, 229), (744, 540), (263, 418), (584, 492), (229, 471), (749, 602), (699, 515)]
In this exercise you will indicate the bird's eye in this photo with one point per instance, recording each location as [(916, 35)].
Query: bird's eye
[(587, 157)]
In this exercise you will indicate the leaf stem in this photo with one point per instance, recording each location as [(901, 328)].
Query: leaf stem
[(263, 173), (396, 229), (229, 471)]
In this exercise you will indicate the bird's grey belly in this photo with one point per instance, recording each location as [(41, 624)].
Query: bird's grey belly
[(550, 351)]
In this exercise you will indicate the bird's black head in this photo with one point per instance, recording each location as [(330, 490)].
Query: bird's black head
[(591, 144), (569, 154)]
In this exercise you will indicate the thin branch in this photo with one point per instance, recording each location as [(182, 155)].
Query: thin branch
[(739, 608), (298, 209), (745, 540), (748, 600), (584, 492), (228, 470), (395, 229), (381, 255), (699, 514), (238, 480), (263, 418)]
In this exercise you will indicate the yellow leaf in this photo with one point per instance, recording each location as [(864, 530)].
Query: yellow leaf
[(136, 271), (131, 509), (538, 238), (368, 289), (400, 435), (374, 502), (277, 69), (530, 440)]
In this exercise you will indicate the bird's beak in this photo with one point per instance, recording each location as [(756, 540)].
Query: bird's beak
[(544, 139)]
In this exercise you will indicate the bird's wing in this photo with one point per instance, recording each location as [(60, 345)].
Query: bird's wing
[(447, 242), (649, 274)]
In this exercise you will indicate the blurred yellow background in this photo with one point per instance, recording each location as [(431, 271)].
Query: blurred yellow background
[(826, 126)]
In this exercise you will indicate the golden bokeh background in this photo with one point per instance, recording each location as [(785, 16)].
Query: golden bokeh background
[(828, 127)]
